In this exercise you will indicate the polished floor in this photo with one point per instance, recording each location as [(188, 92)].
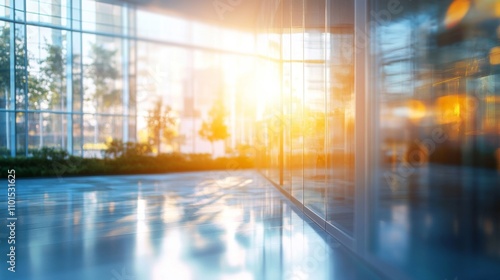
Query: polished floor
[(205, 225)]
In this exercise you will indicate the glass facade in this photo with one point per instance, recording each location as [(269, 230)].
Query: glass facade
[(386, 131), (309, 149), (76, 74)]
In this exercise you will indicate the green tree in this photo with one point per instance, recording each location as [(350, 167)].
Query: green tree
[(37, 91), (4, 63), (214, 127), (162, 124), (53, 71), (103, 72)]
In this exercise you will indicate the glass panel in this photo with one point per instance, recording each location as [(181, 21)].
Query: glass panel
[(77, 73), (21, 72), (99, 130), (76, 14), (297, 97), (208, 94), (78, 135), (5, 90), (4, 134), (47, 130), (54, 12), (101, 17), (102, 71), (5, 8), (161, 77), (132, 90), (19, 10), (5, 66), (340, 117), (21, 135), (314, 107), (438, 139), (165, 28), (47, 68), (286, 94)]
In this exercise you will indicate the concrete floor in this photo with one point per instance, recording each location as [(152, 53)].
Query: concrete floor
[(205, 225)]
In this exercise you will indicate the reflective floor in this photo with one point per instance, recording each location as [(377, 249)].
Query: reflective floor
[(443, 218), (207, 225)]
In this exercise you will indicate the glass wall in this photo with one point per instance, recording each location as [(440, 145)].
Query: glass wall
[(76, 74), (438, 138), (389, 130), (313, 157)]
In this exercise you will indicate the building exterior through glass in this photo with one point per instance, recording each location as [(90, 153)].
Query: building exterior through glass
[(76, 74)]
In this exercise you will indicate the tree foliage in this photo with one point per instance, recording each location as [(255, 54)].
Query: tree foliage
[(214, 127), (103, 72), (37, 87), (117, 148), (54, 74), (4, 59), (162, 124)]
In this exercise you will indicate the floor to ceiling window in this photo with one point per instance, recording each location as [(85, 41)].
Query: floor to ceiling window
[(76, 75), (312, 153)]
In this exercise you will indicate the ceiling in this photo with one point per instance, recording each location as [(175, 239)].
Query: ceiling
[(234, 14)]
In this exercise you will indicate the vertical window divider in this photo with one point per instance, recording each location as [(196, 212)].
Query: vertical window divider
[(69, 80), (12, 105), (125, 73), (26, 100), (362, 122)]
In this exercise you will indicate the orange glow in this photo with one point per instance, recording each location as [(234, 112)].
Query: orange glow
[(453, 108), (456, 12), (492, 99), (417, 110), (495, 56)]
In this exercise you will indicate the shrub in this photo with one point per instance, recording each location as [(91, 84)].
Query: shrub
[(122, 158), (117, 148), (50, 154)]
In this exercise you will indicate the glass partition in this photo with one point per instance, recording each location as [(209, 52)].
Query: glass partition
[(341, 116), (437, 141), (314, 114)]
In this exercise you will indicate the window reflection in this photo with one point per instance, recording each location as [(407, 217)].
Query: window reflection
[(316, 126), (438, 134)]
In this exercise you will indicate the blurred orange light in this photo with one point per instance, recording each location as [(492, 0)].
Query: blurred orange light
[(456, 12), (492, 99), (417, 110), (495, 56), (454, 108)]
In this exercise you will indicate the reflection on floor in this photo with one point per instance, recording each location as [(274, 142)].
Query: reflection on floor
[(207, 225), (443, 218)]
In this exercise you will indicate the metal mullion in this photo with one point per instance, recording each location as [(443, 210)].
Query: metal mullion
[(25, 46), (363, 113), (63, 112), (12, 101), (303, 96), (326, 103), (125, 73), (281, 144), (69, 80)]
